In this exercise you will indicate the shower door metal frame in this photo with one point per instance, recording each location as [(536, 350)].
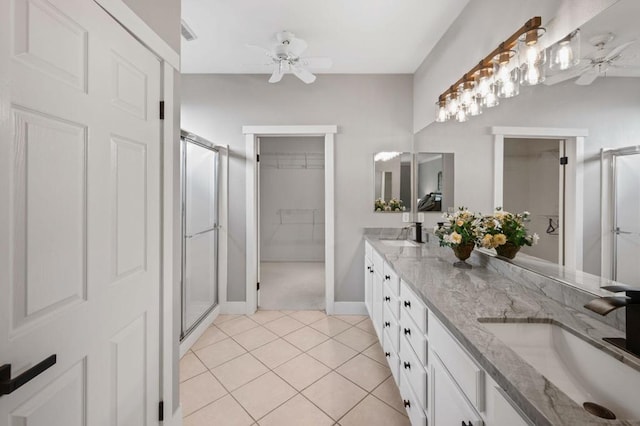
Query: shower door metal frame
[(615, 230), (185, 138)]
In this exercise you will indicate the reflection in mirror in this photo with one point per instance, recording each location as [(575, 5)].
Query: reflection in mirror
[(434, 181), (392, 181)]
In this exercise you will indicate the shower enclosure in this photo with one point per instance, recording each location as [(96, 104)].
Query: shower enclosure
[(199, 229), (625, 178)]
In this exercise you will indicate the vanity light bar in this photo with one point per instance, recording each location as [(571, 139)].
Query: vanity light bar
[(532, 24)]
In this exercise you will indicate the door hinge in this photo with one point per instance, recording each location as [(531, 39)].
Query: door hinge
[(161, 110), (161, 411), (258, 286), (258, 158), (564, 161)]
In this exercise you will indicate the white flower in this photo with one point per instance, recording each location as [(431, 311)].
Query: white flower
[(535, 238)]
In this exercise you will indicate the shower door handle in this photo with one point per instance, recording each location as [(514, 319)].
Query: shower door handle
[(617, 231), (202, 232)]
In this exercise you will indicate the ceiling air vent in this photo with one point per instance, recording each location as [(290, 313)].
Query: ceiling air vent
[(187, 32)]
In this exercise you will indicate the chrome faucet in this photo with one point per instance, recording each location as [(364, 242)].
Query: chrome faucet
[(631, 301)]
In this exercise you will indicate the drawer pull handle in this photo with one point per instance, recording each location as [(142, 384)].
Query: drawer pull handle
[(387, 324), (368, 268), (387, 277), (407, 304), (387, 299), (371, 270), (387, 354), (406, 403), (407, 366), (407, 331), (467, 424)]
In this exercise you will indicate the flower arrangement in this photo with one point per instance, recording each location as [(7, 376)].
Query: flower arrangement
[(460, 228), (505, 232), (394, 205)]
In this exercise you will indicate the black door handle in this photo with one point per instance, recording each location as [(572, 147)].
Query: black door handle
[(8, 385)]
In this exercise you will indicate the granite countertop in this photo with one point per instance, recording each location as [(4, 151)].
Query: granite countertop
[(460, 297)]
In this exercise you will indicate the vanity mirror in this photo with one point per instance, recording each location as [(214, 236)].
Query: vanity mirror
[(434, 181), (392, 182)]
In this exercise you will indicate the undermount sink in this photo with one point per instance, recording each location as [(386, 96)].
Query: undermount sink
[(399, 243), (580, 370)]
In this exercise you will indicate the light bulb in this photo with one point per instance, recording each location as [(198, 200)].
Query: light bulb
[(564, 58), (441, 111), (532, 54), (475, 108), (461, 115), (484, 86), (452, 104), (566, 53)]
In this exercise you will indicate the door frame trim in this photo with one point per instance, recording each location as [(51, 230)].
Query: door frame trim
[(252, 133), (574, 183)]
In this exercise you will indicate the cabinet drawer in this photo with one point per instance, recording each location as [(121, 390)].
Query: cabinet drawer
[(414, 336), (391, 327), (503, 410), (414, 371), (414, 307), (467, 374), (450, 407), (391, 301), (414, 411), (392, 357), (391, 278)]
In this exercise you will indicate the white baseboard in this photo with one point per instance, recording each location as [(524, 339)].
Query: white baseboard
[(176, 418), (235, 308), (186, 344), (349, 308)]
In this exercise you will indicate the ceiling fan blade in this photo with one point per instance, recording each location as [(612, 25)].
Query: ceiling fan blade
[(588, 77), (297, 46), (303, 74), (567, 75), (317, 62), (261, 49), (276, 76), (616, 52)]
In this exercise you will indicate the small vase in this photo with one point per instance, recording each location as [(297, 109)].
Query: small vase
[(462, 252), (508, 250)]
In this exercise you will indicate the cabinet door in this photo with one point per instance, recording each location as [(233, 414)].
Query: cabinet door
[(449, 406), (376, 318), (368, 280)]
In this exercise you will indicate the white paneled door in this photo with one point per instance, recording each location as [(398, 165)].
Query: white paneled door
[(79, 217)]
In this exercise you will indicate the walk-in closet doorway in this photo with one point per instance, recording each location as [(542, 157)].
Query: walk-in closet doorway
[(291, 223), (324, 219)]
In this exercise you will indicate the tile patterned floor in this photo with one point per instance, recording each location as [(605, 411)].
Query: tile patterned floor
[(281, 368)]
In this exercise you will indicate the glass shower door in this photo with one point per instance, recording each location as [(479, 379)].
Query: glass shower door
[(627, 219), (200, 233)]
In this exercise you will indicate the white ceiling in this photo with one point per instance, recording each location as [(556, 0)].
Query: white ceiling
[(361, 36)]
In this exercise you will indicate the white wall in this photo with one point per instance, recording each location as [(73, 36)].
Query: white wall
[(291, 201), (609, 109), (162, 16), (373, 113)]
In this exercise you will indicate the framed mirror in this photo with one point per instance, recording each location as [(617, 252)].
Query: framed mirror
[(392, 182), (434, 181)]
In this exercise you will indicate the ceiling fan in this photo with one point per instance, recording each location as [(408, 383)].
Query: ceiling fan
[(596, 64), (285, 57)]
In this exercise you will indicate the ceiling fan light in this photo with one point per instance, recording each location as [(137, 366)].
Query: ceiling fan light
[(566, 53)]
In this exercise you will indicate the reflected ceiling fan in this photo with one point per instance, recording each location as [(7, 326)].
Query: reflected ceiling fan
[(596, 64), (285, 58)]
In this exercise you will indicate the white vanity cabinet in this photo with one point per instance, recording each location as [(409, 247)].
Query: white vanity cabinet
[(439, 382), (368, 277)]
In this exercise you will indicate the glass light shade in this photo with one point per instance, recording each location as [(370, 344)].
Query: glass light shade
[(483, 79), (506, 74), (452, 104), (476, 107), (465, 93), (441, 112), (461, 115), (566, 53), (533, 57), (491, 99)]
